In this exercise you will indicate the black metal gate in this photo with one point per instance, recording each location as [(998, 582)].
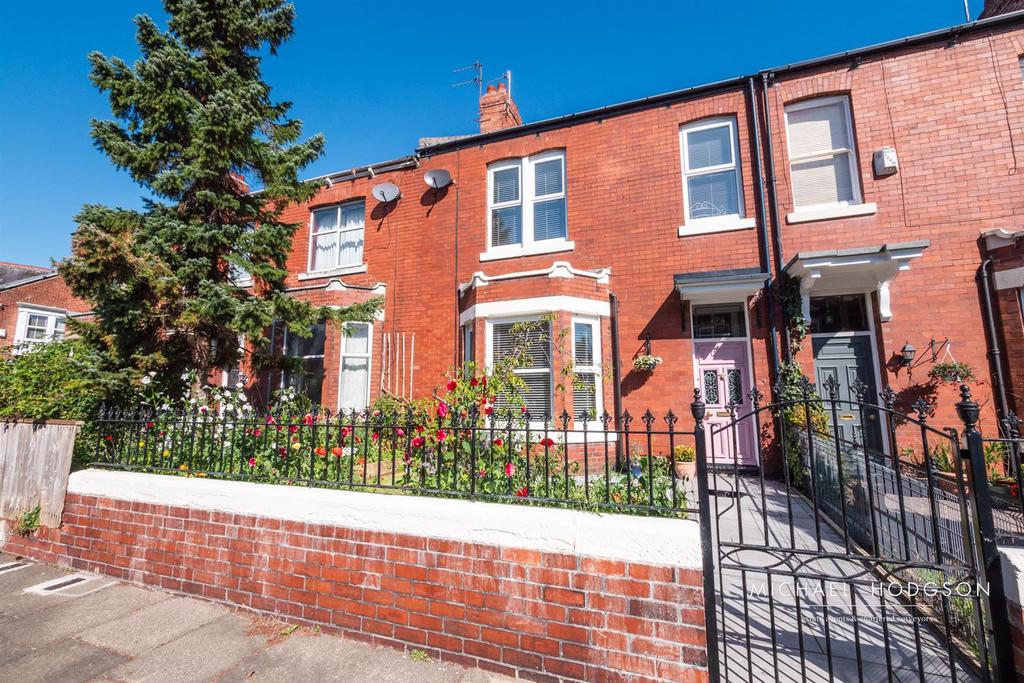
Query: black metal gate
[(835, 561)]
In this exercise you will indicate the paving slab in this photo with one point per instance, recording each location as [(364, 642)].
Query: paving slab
[(153, 625), (200, 655), (72, 661)]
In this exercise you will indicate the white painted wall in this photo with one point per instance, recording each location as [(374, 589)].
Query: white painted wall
[(649, 540), (1013, 573)]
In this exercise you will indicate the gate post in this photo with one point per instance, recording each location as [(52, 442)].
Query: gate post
[(989, 563), (698, 410)]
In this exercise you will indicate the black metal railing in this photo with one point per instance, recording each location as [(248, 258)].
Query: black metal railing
[(585, 463), (1003, 462)]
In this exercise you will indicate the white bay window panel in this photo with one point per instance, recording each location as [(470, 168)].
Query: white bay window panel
[(586, 385), (535, 371), (36, 325), (712, 191), (355, 367), (822, 153), (308, 352), (337, 236)]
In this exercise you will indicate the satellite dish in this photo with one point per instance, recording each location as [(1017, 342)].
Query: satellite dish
[(437, 178), (386, 192)]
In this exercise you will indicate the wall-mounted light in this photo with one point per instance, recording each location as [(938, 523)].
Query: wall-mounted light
[(907, 354)]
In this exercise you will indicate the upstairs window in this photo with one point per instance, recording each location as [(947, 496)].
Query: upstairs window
[(526, 202), (712, 190), (337, 236), (822, 155)]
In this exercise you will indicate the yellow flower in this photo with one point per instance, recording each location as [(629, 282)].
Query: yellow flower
[(200, 474), (183, 467), (166, 452), (142, 444), (296, 446)]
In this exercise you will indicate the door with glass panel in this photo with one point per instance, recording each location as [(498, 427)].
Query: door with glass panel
[(722, 364)]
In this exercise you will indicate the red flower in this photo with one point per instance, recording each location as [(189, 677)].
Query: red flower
[(336, 452), (308, 420), (257, 431), (252, 462), (418, 441), (488, 410), (442, 409), (420, 428), (523, 409), (270, 419), (149, 425), (320, 450), (453, 385), (498, 442), (482, 473), (547, 443), (108, 437), (399, 432), (510, 469), (375, 436), (345, 431), (473, 382), (440, 434), (283, 451), (523, 492), (292, 429), (362, 461), (376, 413)]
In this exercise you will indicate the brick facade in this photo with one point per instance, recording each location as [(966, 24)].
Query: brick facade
[(948, 108), (48, 291), (542, 615)]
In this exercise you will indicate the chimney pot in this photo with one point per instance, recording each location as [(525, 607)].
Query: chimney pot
[(490, 88)]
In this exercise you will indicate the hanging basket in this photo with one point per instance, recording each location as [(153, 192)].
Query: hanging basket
[(646, 362), (952, 372)]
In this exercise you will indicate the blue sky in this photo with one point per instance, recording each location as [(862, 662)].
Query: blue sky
[(374, 77)]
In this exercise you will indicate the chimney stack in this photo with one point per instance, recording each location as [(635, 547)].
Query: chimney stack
[(497, 110)]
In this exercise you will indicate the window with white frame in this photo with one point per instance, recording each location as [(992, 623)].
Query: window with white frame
[(586, 383), (534, 338), (526, 201), (822, 154), (39, 325), (307, 375), (712, 190), (337, 236), (355, 366)]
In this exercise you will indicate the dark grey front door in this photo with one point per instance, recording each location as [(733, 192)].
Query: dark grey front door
[(848, 358)]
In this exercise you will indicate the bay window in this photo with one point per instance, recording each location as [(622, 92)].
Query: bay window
[(307, 377), (533, 338), (36, 325), (586, 353)]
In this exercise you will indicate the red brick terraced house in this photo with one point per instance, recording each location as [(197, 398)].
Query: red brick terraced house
[(35, 304), (882, 178)]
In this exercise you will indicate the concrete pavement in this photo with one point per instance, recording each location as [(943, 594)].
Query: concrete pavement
[(97, 629)]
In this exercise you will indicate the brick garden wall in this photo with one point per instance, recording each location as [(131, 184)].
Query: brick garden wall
[(546, 616)]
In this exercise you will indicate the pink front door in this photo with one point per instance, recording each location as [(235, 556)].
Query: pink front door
[(723, 377)]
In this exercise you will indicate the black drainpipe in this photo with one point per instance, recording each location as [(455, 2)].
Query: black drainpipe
[(762, 229), (613, 302), (994, 351), (773, 202)]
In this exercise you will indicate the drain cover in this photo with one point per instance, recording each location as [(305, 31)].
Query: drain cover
[(74, 585)]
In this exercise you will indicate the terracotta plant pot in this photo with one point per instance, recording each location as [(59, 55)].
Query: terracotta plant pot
[(685, 469)]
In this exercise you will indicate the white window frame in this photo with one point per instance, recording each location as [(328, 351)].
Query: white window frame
[(52, 315), (338, 268), (489, 357), (854, 207), (527, 200), (708, 224), (343, 354), (592, 369)]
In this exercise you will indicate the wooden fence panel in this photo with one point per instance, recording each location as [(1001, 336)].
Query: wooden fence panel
[(35, 461)]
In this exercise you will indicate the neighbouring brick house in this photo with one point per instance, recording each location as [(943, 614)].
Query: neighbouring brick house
[(35, 304), (871, 175)]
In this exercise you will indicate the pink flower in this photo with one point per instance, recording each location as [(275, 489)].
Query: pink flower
[(482, 473), (292, 429), (523, 409), (442, 409), (257, 431), (252, 462), (420, 428), (308, 420), (523, 492), (270, 419), (473, 382), (510, 469), (440, 434), (376, 413), (418, 441), (546, 442), (453, 385), (399, 432), (283, 451), (345, 431), (375, 436)]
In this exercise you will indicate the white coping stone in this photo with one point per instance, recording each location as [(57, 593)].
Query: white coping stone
[(632, 538), (1013, 573)]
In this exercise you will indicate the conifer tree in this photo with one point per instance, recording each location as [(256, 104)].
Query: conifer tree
[(195, 125)]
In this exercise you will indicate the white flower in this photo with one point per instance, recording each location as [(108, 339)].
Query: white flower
[(184, 376), (152, 373), (240, 385), (228, 408), (146, 379)]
